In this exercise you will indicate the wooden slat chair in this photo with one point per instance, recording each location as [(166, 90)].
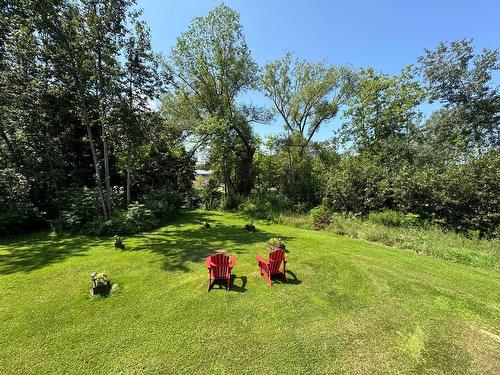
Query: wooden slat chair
[(219, 268), (272, 267)]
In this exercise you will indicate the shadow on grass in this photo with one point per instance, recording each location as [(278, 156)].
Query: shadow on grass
[(40, 250), (233, 286), (180, 245), (236, 287), (277, 279), (180, 242)]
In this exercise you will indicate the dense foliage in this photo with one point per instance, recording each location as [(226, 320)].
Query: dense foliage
[(83, 147)]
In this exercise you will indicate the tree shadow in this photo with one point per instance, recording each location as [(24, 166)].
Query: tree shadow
[(40, 250), (179, 242), (180, 246)]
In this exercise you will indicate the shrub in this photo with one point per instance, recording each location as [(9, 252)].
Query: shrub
[(138, 218), (231, 201), (320, 217), (388, 218), (412, 221), (345, 224), (210, 198), (163, 203), (266, 207), (391, 218), (17, 213), (193, 199), (82, 214), (80, 209), (249, 209)]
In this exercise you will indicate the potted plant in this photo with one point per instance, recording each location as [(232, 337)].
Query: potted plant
[(100, 283), (276, 243), (250, 227), (119, 243)]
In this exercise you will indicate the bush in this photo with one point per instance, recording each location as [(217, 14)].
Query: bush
[(388, 218), (231, 201), (266, 207), (345, 224), (423, 239), (138, 218), (80, 208), (319, 217), (392, 218), (163, 203), (412, 221), (82, 214), (193, 199), (17, 213), (249, 209), (210, 198)]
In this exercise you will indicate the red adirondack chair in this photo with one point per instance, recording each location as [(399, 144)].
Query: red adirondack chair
[(219, 268), (272, 267)]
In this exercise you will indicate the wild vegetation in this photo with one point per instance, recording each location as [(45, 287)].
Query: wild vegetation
[(85, 147), (405, 232), (104, 233)]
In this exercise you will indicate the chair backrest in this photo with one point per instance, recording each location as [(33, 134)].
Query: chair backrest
[(221, 262), (275, 260)]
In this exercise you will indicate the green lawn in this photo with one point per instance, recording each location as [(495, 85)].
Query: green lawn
[(350, 307)]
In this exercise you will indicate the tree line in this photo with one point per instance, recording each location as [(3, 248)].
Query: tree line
[(98, 131)]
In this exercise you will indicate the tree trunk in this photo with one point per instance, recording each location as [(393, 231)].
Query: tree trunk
[(246, 172), (53, 177), (97, 171), (107, 177), (104, 135), (128, 178), (228, 185), (7, 141)]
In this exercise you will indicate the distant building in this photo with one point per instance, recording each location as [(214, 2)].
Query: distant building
[(201, 178)]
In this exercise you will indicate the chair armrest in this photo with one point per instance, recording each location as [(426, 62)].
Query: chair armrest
[(232, 262), (261, 260)]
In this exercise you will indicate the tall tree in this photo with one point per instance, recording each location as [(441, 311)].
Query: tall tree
[(384, 116), (461, 79), (141, 84), (27, 88), (211, 65), (74, 66), (105, 23), (306, 95), (85, 42)]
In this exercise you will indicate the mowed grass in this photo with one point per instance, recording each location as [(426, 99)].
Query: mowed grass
[(350, 306)]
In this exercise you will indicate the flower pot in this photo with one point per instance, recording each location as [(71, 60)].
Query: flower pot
[(101, 289)]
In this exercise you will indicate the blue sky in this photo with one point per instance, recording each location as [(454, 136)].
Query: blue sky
[(384, 34)]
